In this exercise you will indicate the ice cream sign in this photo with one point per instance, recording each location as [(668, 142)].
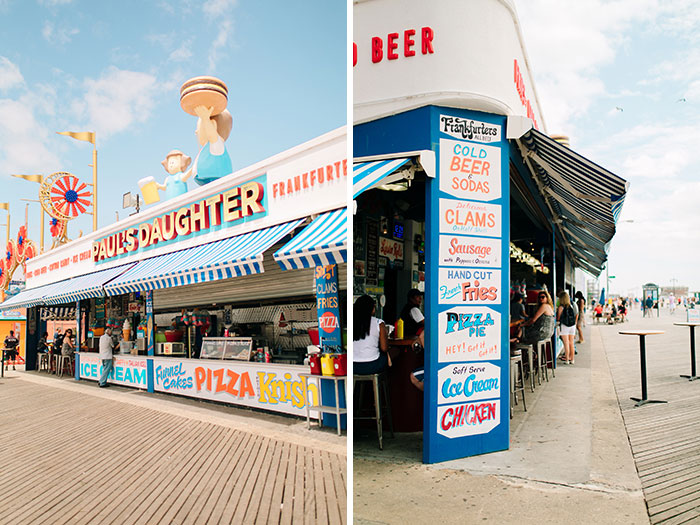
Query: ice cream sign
[(469, 334), (469, 382)]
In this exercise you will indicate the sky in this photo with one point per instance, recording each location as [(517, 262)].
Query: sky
[(115, 68), (622, 79)]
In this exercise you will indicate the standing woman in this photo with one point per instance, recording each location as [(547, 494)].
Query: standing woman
[(581, 305), (567, 316), (370, 340)]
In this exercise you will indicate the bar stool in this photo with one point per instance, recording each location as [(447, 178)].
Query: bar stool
[(53, 363), (516, 385), (376, 379), (542, 360), (64, 360), (43, 362), (527, 347)]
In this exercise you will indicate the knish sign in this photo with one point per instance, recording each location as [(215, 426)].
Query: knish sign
[(469, 382), (469, 334), (458, 250), (222, 210)]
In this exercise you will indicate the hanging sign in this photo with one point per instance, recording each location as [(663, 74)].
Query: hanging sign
[(327, 305)]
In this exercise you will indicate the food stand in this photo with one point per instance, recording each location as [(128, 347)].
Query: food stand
[(236, 255), (453, 173)]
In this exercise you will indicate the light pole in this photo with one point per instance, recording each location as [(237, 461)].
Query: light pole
[(40, 180), (6, 206), (673, 284), (88, 136)]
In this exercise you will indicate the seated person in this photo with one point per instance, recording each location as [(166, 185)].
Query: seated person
[(541, 325), (370, 340), (598, 311), (413, 320)]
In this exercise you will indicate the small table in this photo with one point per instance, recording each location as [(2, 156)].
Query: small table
[(692, 325), (337, 410), (643, 361)]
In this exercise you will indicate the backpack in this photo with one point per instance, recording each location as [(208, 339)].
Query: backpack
[(568, 316)]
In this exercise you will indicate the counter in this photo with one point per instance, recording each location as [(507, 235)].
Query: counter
[(406, 399), (267, 386)]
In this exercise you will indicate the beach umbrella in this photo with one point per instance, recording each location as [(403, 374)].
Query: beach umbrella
[(602, 296)]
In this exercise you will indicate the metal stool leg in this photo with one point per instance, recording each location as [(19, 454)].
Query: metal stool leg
[(378, 409), (387, 406)]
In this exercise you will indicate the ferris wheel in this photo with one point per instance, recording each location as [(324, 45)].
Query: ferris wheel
[(63, 196)]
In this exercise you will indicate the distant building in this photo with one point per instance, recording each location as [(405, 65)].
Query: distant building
[(678, 291)]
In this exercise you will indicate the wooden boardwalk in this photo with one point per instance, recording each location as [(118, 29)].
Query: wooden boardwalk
[(665, 438), (71, 456)]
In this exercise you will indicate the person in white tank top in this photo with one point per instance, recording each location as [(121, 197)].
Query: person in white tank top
[(370, 339)]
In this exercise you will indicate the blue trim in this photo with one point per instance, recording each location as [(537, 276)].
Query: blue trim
[(149, 376)]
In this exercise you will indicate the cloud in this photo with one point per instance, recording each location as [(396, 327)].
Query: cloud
[(52, 3), (219, 12), (117, 100), (10, 76), (182, 53), (219, 44), (60, 36), (215, 8), (571, 45), (23, 138)]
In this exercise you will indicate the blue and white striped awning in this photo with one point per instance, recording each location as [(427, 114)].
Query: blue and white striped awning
[(322, 242), (31, 297), (366, 175), (84, 286), (232, 257), (585, 198)]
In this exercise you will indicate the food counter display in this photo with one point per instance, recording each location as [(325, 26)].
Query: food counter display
[(268, 386), (127, 371)]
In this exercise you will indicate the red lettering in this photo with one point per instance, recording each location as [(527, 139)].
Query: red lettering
[(392, 46), (427, 40), (408, 43), (446, 425), (377, 53)]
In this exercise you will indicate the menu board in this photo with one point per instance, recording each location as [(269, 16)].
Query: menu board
[(468, 232), (371, 271)]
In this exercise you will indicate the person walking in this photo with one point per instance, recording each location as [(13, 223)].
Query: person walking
[(11, 343), (580, 322), (567, 316), (106, 346)]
